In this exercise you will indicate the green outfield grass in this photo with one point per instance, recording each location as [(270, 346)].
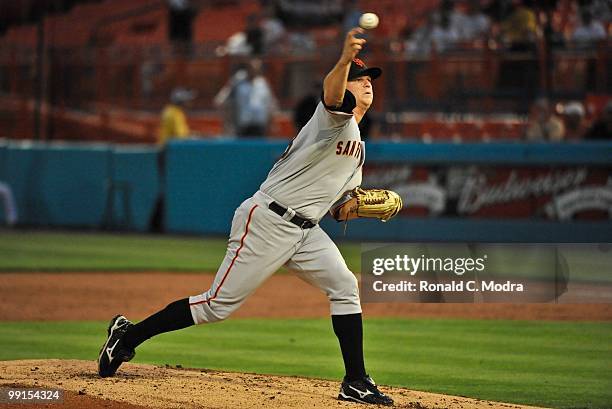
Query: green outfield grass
[(72, 251), (77, 251), (556, 364), (552, 364)]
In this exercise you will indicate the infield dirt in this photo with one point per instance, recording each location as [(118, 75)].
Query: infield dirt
[(138, 386), (98, 296)]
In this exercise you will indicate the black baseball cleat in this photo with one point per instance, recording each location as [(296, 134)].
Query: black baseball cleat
[(113, 353), (363, 390)]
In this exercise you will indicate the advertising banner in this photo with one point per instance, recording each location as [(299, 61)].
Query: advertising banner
[(489, 191)]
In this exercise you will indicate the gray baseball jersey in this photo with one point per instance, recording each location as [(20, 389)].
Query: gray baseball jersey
[(322, 162)]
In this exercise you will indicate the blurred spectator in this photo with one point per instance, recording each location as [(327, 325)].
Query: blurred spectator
[(602, 128), (437, 34), (589, 31), (173, 126), (307, 13), (551, 26), (173, 118), (10, 209), (518, 32), (448, 10), (180, 19), (573, 117), (518, 29), (263, 33), (236, 44), (472, 25), (251, 97), (602, 9), (223, 100), (307, 105), (543, 124), (254, 35), (273, 30)]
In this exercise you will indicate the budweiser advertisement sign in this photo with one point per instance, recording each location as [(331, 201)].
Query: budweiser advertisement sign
[(556, 193)]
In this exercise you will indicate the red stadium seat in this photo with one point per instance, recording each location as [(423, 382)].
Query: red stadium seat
[(220, 22)]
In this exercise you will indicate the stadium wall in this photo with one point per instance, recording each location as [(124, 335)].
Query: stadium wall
[(80, 185), (104, 186)]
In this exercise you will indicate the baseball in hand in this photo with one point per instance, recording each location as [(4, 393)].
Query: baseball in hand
[(368, 21)]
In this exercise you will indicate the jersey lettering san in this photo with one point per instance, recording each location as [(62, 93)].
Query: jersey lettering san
[(320, 164)]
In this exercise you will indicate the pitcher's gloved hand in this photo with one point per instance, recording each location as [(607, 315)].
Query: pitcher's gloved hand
[(378, 203)]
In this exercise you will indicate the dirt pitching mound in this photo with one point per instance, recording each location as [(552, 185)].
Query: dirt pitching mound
[(138, 386)]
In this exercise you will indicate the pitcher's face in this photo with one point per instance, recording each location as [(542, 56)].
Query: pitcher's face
[(361, 88)]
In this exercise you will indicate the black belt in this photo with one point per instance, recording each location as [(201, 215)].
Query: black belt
[(297, 220)]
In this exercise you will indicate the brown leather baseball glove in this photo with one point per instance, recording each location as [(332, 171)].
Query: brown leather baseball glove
[(378, 203)]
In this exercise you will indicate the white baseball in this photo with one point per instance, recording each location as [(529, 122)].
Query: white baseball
[(368, 21)]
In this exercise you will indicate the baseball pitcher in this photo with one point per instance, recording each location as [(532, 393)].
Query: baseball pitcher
[(319, 172)]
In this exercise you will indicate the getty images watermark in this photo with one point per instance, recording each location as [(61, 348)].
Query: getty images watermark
[(458, 266), (515, 273)]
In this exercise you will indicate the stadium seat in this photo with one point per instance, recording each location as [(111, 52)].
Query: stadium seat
[(218, 23)]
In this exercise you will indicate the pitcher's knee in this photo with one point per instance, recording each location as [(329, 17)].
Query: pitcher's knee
[(204, 311), (344, 297)]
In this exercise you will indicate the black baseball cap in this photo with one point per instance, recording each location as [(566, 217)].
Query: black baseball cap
[(359, 69)]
